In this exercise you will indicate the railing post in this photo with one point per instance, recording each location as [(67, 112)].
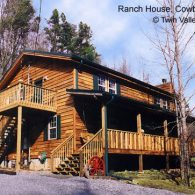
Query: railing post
[(105, 136), (52, 169), (165, 143)]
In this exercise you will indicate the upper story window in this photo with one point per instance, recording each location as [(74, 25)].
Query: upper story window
[(164, 104), (157, 101), (106, 84), (112, 86), (102, 83), (161, 102)]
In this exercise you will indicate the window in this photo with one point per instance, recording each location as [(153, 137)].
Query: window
[(157, 101), (164, 104), (52, 128), (105, 84), (112, 86), (101, 83), (161, 103)]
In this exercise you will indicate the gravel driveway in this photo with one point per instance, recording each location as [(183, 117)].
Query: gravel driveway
[(34, 183)]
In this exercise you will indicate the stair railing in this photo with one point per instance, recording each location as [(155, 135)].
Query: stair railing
[(94, 147), (61, 152)]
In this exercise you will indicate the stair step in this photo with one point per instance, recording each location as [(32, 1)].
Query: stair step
[(59, 168), (76, 169), (74, 173), (75, 155), (67, 169)]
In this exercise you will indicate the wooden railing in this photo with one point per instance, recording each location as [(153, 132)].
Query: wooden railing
[(28, 95), (94, 147), (60, 153), (141, 142)]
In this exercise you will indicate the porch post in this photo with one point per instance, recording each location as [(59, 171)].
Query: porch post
[(141, 163), (140, 142), (105, 136), (165, 143), (19, 130)]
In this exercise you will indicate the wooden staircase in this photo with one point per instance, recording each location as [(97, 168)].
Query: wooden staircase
[(70, 166), (64, 161), (7, 135)]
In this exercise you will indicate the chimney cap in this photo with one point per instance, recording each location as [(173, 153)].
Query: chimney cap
[(164, 81)]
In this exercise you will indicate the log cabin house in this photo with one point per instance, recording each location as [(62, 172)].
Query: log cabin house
[(60, 112)]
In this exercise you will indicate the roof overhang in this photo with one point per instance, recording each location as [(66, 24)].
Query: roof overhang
[(106, 97), (20, 60), (85, 63)]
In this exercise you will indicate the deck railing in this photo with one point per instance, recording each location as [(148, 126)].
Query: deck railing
[(141, 142), (94, 147), (60, 153), (28, 95)]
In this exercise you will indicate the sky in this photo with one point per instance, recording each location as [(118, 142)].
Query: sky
[(117, 35)]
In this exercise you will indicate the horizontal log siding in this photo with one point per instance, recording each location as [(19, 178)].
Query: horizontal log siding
[(60, 77), (136, 94), (85, 80)]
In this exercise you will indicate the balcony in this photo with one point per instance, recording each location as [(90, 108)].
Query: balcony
[(28, 96)]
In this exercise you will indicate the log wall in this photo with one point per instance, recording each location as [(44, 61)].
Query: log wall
[(59, 77)]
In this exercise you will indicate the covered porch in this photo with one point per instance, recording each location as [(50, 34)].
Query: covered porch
[(126, 126)]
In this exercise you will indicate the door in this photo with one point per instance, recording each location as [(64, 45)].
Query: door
[(38, 93)]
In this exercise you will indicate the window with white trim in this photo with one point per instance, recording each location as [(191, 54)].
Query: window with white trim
[(102, 83), (161, 102), (164, 104), (106, 84), (112, 86), (157, 101), (52, 128)]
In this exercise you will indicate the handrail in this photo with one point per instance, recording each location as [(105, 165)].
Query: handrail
[(94, 147), (61, 152), (141, 142)]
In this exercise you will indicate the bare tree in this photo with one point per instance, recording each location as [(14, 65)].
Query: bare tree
[(172, 39), (15, 17), (125, 67)]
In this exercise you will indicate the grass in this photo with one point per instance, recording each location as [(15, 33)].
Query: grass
[(157, 179)]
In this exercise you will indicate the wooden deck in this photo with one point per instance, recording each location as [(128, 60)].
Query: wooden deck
[(119, 142), (28, 96)]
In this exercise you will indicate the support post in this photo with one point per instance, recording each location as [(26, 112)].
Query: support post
[(75, 86), (139, 131), (140, 141), (139, 123), (75, 76), (105, 136), (19, 136), (140, 163), (165, 143)]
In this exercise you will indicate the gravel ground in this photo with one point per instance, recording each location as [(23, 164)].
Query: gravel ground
[(37, 184)]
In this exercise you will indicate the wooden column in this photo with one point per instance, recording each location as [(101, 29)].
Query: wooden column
[(19, 136), (139, 123), (75, 76), (75, 86), (140, 141), (141, 163), (165, 124), (105, 136), (74, 129)]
